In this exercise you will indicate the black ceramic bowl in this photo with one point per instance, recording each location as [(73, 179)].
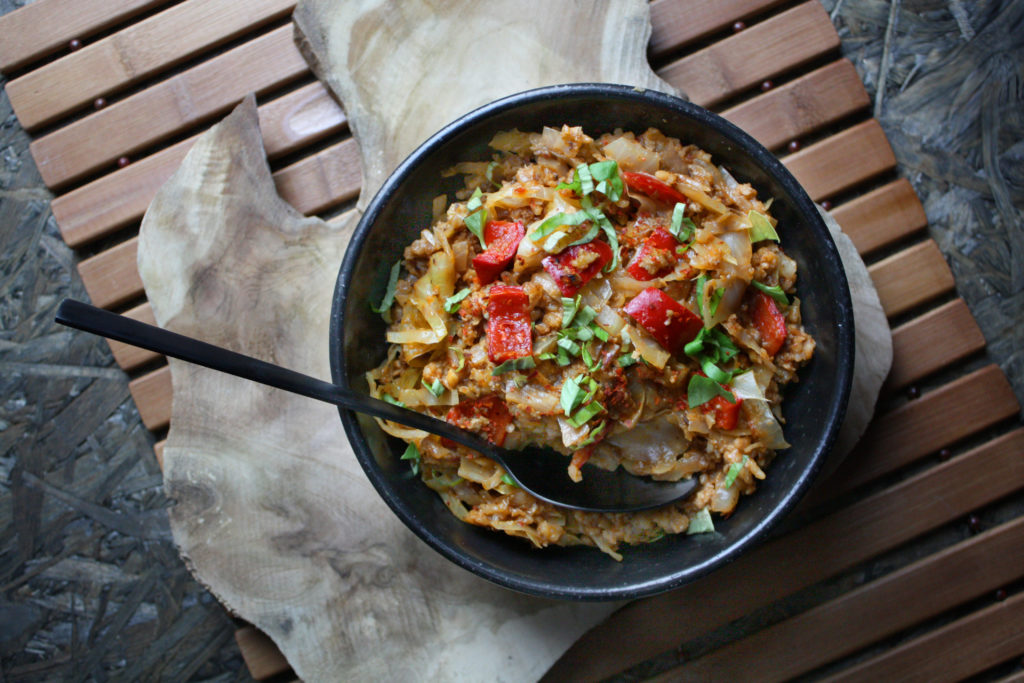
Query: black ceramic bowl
[(814, 407)]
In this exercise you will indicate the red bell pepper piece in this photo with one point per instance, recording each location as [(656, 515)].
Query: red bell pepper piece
[(670, 323), (576, 266), (502, 238), (487, 416), (770, 323), (645, 183), (652, 254), (509, 334), (726, 414)]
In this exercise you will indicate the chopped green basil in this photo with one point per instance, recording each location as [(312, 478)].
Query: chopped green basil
[(702, 389), (413, 454), (599, 332), (389, 293), (435, 387), (702, 280), (388, 398), (609, 183), (682, 227), (734, 471), (626, 359), (594, 433), (490, 173), (569, 308), (716, 298), (508, 480), (524, 363), (585, 413), (714, 372), (452, 303), (462, 359), (774, 292), (555, 221), (572, 395), (700, 523), (761, 228)]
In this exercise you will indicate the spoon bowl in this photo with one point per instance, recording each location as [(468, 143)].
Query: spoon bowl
[(540, 471)]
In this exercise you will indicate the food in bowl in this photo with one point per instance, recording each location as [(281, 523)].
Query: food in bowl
[(621, 300)]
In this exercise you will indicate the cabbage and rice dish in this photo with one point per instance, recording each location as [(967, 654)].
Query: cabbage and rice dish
[(622, 300)]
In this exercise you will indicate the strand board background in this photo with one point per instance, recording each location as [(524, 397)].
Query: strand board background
[(111, 121)]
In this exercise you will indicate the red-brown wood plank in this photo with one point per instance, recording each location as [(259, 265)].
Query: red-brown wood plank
[(911, 277), (953, 652), (825, 547), (842, 161), (156, 113), (764, 50), (44, 27), (134, 53), (152, 395), (130, 357), (802, 106), (863, 616), (677, 22), (885, 215), (932, 341), (296, 119)]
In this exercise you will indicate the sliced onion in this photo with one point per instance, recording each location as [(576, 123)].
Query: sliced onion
[(538, 399), (650, 441), (762, 422), (513, 141), (648, 349), (632, 156), (693, 191), (571, 436)]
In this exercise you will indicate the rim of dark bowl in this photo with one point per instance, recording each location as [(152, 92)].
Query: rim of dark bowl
[(844, 348)]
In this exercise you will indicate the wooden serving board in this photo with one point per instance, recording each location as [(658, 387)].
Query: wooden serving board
[(816, 599)]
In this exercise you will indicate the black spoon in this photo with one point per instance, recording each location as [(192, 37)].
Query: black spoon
[(540, 471)]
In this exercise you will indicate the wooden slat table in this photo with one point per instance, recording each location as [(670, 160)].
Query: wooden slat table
[(163, 71)]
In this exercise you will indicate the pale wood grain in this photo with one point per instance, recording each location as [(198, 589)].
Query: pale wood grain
[(156, 113), (152, 393), (130, 357), (883, 216), (33, 31), (262, 657), (765, 50), (952, 652), (826, 547), (872, 612), (842, 161), (677, 22), (134, 53), (801, 106), (932, 341), (911, 277), (288, 123)]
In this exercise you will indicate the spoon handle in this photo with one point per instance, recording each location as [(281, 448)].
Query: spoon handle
[(85, 317)]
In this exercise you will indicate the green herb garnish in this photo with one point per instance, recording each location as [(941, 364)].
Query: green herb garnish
[(452, 303), (476, 220), (594, 433), (702, 389), (389, 293), (585, 413), (508, 480), (524, 363), (388, 398), (626, 359), (734, 471), (716, 298), (435, 387), (412, 454), (569, 308), (682, 227), (761, 228), (572, 395), (700, 523), (774, 292)]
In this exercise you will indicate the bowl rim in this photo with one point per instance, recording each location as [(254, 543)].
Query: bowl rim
[(805, 207)]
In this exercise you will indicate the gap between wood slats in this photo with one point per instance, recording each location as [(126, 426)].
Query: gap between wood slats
[(47, 26), (288, 123), (826, 547), (156, 113), (951, 653), (938, 418), (676, 22), (761, 51), (858, 618), (161, 41)]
